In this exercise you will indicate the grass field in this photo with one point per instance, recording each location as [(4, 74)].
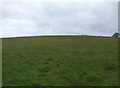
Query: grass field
[(60, 61)]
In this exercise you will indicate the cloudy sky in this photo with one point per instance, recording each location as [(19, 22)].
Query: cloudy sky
[(41, 18)]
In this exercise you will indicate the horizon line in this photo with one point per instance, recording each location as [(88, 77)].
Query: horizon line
[(53, 35)]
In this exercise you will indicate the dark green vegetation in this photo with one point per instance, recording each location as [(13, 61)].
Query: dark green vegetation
[(115, 35), (60, 61)]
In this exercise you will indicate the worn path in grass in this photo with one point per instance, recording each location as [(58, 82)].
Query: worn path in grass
[(60, 61)]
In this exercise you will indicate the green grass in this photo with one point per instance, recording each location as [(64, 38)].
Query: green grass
[(60, 61)]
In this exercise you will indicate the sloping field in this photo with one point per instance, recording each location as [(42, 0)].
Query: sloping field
[(60, 61)]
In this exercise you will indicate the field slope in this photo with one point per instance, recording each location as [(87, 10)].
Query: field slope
[(60, 61)]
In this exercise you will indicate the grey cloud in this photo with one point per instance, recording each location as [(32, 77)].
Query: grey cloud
[(98, 18)]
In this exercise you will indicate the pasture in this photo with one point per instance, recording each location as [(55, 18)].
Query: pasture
[(60, 61)]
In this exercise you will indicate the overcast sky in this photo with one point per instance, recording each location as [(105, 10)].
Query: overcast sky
[(87, 18)]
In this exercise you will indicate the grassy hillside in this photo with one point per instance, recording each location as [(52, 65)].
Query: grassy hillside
[(60, 61)]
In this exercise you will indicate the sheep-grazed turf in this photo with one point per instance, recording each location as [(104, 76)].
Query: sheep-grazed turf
[(60, 61)]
